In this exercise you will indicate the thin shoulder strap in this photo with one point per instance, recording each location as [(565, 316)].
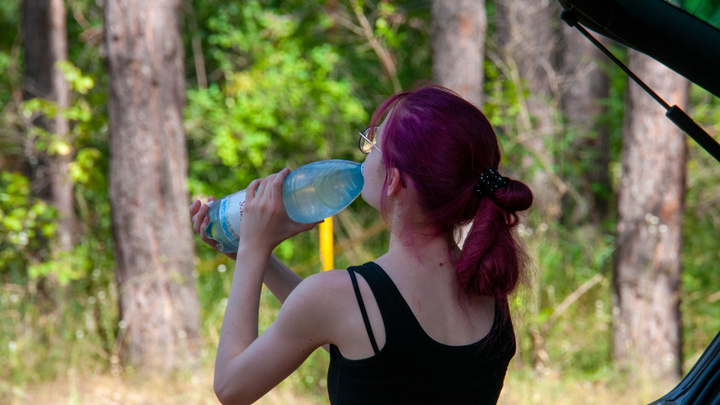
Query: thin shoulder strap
[(363, 311)]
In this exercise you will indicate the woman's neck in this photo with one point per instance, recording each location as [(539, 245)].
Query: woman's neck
[(415, 245), (420, 255)]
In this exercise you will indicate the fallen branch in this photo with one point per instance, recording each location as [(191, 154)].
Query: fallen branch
[(569, 300)]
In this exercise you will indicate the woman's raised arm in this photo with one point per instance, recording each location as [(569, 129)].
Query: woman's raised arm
[(279, 278), (246, 366)]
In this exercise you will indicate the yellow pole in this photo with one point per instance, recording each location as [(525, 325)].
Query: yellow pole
[(326, 244)]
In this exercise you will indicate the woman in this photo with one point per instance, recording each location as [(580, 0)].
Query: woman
[(430, 322)]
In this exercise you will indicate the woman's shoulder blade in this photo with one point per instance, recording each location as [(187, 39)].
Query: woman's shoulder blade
[(324, 292)]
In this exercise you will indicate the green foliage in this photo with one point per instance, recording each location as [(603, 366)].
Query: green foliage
[(77, 80), (576, 340), (280, 103), (402, 28), (704, 10), (566, 250), (9, 17), (67, 266), (701, 257), (281, 96), (45, 328), (59, 308), (290, 83), (385, 29), (25, 221)]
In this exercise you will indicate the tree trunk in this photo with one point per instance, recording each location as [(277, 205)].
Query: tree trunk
[(148, 174), (458, 50), (62, 187), (646, 322), (584, 85), (45, 45), (36, 42), (458, 46), (527, 43)]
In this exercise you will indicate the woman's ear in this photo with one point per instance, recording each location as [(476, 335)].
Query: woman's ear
[(395, 182)]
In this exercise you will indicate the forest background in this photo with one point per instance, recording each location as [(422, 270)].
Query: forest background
[(270, 84)]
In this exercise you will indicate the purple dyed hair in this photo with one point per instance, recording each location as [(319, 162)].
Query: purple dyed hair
[(443, 143)]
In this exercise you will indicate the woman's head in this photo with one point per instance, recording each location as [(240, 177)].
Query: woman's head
[(441, 144)]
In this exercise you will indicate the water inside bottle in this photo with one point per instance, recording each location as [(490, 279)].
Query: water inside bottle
[(322, 190), (332, 187)]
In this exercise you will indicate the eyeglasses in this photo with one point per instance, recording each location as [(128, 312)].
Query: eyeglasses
[(367, 140)]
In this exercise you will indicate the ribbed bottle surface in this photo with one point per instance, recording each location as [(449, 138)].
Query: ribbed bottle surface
[(310, 193), (321, 189)]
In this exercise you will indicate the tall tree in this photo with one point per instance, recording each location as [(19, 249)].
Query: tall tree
[(527, 41), (148, 174), (36, 42), (458, 46), (45, 45), (585, 85), (457, 34), (647, 324)]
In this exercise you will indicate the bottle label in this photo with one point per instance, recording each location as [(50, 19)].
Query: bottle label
[(231, 209)]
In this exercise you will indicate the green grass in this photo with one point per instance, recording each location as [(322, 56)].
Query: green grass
[(60, 338)]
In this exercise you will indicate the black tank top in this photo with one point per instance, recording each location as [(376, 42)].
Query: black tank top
[(412, 368)]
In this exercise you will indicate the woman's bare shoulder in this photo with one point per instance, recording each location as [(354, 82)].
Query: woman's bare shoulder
[(329, 288), (326, 287), (320, 302)]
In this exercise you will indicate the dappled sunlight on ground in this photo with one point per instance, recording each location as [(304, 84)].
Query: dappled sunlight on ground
[(527, 388), (521, 388), (108, 390)]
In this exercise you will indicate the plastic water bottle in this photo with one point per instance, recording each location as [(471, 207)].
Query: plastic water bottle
[(310, 193)]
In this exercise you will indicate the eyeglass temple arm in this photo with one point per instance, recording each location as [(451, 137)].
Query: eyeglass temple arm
[(371, 142)]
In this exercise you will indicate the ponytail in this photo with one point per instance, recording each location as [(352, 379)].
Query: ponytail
[(492, 262), (448, 149)]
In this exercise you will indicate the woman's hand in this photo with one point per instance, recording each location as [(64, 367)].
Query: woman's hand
[(265, 222), (200, 220)]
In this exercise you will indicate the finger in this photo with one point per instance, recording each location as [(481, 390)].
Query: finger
[(251, 190), (194, 208), (270, 186), (211, 198), (263, 186), (203, 226), (278, 182), (195, 219), (199, 218)]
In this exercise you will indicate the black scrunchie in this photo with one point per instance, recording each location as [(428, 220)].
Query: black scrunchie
[(490, 181)]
